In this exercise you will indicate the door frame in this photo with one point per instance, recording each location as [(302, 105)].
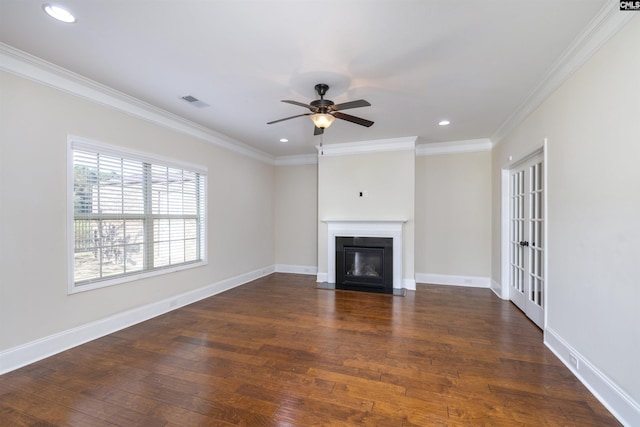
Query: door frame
[(505, 221)]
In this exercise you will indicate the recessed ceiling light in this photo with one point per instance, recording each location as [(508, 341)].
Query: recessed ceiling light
[(444, 122), (284, 140), (59, 13)]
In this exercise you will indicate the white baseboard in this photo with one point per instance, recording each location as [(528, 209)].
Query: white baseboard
[(296, 269), (447, 279), (31, 352), (408, 284), (499, 291), (621, 405)]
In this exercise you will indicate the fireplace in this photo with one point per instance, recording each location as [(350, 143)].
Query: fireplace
[(386, 228), (364, 264)]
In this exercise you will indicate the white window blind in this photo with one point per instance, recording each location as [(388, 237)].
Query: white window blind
[(133, 214)]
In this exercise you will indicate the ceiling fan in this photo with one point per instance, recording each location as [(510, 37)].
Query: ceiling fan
[(324, 111)]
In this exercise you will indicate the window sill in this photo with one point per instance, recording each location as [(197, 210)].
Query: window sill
[(77, 288)]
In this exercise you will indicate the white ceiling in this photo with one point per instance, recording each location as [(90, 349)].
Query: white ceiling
[(473, 62)]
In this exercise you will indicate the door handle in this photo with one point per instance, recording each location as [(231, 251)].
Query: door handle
[(524, 243)]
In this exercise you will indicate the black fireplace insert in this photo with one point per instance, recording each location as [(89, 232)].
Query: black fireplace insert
[(364, 264)]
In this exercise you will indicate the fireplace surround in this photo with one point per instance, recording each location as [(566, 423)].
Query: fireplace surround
[(392, 229)]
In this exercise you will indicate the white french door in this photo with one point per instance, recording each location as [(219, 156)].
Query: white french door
[(526, 244)]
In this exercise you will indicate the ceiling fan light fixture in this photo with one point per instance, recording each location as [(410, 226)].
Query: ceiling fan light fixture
[(322, 120)]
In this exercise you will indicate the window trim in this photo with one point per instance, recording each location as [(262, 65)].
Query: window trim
[(79, 143)]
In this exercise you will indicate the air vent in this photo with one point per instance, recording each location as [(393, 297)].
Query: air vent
[(195, 101)]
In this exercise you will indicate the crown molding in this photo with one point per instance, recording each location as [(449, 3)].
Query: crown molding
[(454, 147), (601, 28), (25, 65), (302, 159), (425, 149), (371, 146)]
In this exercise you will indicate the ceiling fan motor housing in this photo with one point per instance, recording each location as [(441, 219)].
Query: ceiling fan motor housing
[(321, 105)]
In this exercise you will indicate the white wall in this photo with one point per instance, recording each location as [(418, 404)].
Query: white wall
[(453, 215), (35, 122), (593, 128), (296, 216), (389, 179)]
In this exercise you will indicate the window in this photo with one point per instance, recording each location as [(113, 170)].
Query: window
[(133, 215)]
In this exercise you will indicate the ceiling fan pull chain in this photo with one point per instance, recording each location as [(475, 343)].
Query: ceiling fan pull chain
[(321, 149)]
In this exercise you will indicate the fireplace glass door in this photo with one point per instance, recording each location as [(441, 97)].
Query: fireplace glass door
[(364, 264)]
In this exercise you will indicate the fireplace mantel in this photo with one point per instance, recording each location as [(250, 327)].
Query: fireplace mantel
[(365, 228)]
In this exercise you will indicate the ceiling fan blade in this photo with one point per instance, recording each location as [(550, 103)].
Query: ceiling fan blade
[(287, 118), (300, 104), (352, 119), (351, 104), (317, 131)]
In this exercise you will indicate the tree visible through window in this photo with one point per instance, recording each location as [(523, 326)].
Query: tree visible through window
[(132, 215)]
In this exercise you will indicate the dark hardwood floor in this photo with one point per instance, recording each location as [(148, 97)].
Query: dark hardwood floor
[(277, 351)]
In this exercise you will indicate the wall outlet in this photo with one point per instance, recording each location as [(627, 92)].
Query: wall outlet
[(575, 362)]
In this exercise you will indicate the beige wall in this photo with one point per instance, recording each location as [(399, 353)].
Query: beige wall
[(388, 177), (296, 215), (35, 121), (452, 211), (453, 214), (593, 128)]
